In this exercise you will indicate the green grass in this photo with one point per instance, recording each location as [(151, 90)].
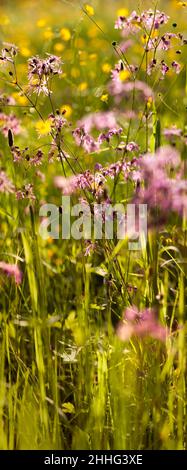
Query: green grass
[(66, 379)]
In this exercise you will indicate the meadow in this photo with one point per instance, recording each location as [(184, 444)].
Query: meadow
[(93, 331)]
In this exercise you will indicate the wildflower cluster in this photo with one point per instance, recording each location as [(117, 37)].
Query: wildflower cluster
[(40, 71), (165, 189), (141, 324)]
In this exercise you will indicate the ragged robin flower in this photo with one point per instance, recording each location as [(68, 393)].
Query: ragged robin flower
[(41, 70), (8, 52), (44, 67)]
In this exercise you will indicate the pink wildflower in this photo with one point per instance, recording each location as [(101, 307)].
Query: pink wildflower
[(43, 70), (11, 270), (164, 68), (44, 67), (105, 120), (176, 66), (11, 122), (120, 89), (8, 52), (26, 192), (173, 131), (108, 135), (6, 186), (40, 175), (141, 324), (85, 140)]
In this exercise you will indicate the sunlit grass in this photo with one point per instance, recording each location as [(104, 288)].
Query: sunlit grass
[(66, 379)]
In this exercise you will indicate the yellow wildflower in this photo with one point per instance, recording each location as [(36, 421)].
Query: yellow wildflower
[(89, 9), (93, 56), (25, 51), (104, 98), (83, 86), (65, 34), (124, 75), (41, 22), (21, 99), (122, 12), (106, 68), (59, 47), (43, 127), (48, 33)]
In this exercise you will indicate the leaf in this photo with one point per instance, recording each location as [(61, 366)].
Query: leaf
[(30, 272)]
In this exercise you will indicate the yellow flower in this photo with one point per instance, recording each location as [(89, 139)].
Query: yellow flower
[(59, 47), (41, 22), (43, 127), (93, 56), (25, 51), (68, 109), (122, 12), (124, 75), (83, 86), (106, 68), (21, 99), (89, 9), (65, 34), (182, 4), (48, 33), (104, 98)]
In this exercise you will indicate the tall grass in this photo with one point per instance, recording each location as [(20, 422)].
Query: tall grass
[(66, 379)]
